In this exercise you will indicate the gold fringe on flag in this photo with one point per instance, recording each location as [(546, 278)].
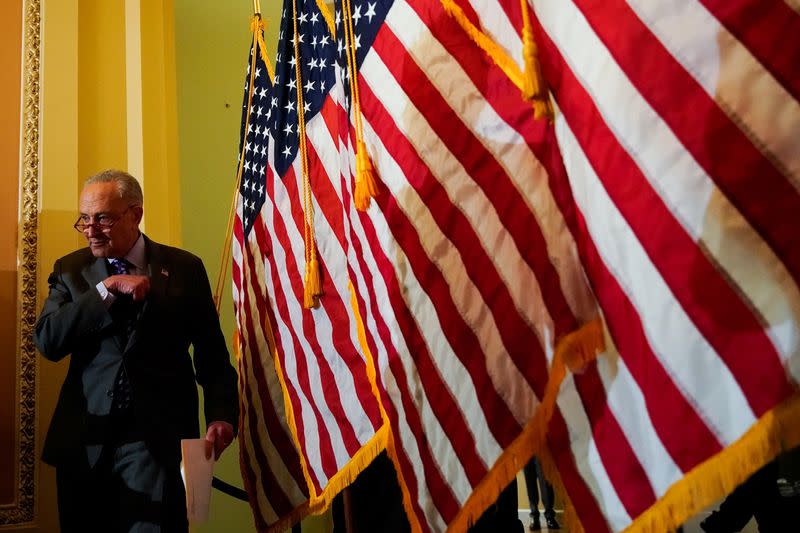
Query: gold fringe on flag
[(386, 429), (319, 503), (577, 348), (776, 431), (366, 178), (326, 14), (531, 83)]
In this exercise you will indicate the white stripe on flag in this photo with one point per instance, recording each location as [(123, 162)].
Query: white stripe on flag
[(682, 350), (587, 457), (729, 74), (513, 154), (626, 402), (689, 192), (310, 428), (484, 220)]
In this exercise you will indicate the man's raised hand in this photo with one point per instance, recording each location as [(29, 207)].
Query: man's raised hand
[(136, 286)]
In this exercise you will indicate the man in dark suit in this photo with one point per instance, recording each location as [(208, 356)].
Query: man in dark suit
[(125, 309)]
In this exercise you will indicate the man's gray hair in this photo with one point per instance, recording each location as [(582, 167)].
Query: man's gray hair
[(128, 187)]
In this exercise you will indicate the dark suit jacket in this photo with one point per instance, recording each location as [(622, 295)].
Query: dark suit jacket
[(178, 311)]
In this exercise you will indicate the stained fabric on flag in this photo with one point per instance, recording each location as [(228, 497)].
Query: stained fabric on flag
[(466, 282), (678, 126), (466, 275), (310, 420)]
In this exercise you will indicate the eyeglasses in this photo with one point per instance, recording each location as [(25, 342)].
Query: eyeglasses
[(102, 222)]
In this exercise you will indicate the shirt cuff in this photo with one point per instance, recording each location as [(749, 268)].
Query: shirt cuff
[(105, 295)]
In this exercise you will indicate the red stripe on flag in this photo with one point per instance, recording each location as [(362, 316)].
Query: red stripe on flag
[(326, 454), (621, 463), (496, 87), (437, 390), (704, 293), (481, 165), (685, 435), (251, 481), (442, 404), (279, 501), (338, 309), (280, 438), (246, 402), (771, 30), (321, 183), (751, 182), (469, 12), (432, 472), (339, 317), (433, 478), (462, 338), (586, 506)]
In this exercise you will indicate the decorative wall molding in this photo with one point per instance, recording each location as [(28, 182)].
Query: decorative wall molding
[(22, 510)]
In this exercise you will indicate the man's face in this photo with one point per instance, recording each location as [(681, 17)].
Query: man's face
[(101, 202)]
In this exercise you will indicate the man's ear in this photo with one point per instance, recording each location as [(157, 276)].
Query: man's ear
[(138, 212)]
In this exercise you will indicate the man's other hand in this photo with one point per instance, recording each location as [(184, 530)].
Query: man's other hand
[(136, 286), (218, 437)]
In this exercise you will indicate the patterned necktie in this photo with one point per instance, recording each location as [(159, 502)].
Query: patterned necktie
[(119, 266), (122, 386)]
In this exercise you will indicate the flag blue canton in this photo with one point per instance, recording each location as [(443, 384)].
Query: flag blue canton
[(254, 141), (368, 16), (274, 112)]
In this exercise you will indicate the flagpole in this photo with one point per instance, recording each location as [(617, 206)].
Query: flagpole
[(257, 7)]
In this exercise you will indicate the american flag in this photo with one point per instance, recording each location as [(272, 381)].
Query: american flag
[(310, 418), (679, 128), (468, 277), (667, 183)]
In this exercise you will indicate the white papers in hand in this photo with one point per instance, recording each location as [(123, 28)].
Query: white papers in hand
[(197, 472)]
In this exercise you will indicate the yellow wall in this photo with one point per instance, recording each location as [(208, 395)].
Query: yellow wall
[(85, 116), (210, 40), (155, 87), (159, 121), (58, 194), (102, 140), (10, 64)]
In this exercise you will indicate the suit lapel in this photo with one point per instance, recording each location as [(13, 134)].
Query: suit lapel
[(158, 271), (95, 271)]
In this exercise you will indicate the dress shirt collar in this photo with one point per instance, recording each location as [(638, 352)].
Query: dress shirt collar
[(136, 255)]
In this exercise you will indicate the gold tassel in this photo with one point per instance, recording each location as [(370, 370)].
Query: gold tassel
[(534, 87), (543, 109), (366, 186), (366, 181), (313, 284)]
